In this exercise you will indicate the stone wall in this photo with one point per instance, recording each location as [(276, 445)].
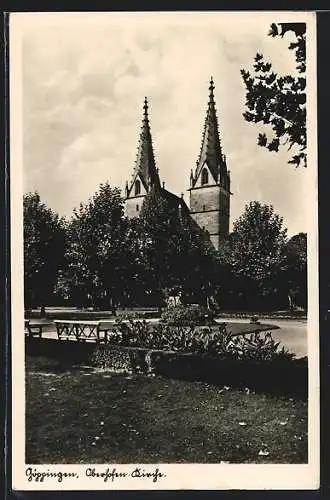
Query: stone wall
[(209, 220), (209, 206), (205, 198)]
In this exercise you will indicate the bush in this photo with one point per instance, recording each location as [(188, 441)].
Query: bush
[(118, 361), (137, 314), (190, 339), (187, 315)]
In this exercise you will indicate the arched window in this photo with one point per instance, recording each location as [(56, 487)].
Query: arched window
[(203, 208), (137, 208), (205, 176), (137, 187)]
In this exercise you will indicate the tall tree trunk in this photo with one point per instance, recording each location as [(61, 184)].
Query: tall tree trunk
[(113, 307), (160, 299), (291, 304)]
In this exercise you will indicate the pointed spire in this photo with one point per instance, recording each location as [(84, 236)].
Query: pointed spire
[(145, 165), (191, 178), (210, 152)]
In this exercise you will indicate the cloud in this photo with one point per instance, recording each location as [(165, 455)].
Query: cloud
[(83, 90)]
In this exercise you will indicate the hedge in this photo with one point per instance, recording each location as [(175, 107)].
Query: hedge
[(283, 377)]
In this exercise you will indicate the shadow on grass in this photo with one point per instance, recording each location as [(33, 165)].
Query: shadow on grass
[(71, 418), (47, 365)]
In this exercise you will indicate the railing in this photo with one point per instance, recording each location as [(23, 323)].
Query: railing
[(82, 331), (33, 329)]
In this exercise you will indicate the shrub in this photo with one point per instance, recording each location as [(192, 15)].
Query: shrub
[(258, 347), (188, 315), (115, 359), (137, 314), (206, 341)]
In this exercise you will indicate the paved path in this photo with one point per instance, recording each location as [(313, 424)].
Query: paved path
[(292, 333)]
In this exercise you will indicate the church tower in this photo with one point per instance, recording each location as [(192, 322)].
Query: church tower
[(210, 181), (145, 173)]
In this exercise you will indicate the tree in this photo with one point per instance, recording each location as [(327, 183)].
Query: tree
[(198, 263), (44, 248), (294, 270), (158, 220), (228, 289), (135, 285), (279, 102), (255, 252), (97, 254), (178, 255)]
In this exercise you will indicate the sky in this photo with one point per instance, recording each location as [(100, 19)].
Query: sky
[(84, 79)]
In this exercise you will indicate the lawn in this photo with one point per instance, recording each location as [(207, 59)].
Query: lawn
[(77, 415)]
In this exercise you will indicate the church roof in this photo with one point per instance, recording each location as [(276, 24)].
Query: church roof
[(210, 152), (182, 209), (145, 165), (174, 199)]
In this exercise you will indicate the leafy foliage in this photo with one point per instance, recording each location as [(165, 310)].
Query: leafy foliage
[(194, 314), (112, 260), (44, 248), (279, 102), (177, 253), (254, 251), (294, 270), (102, 259), (117, 360), (208, 341), (257, 242), (100, 255)]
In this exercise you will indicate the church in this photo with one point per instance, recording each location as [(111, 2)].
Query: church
[(209, 183)]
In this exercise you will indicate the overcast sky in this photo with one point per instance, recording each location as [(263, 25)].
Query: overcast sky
[(84, 81)]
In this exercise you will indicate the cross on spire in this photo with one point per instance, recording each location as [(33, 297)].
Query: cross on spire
[(211, 87), (145, 107)]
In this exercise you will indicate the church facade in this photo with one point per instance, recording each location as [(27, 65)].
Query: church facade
[(209, 183)]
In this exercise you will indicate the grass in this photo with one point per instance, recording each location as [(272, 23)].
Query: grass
[(75, 415)]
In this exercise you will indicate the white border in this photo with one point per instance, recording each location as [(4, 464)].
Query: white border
[(191, 476)]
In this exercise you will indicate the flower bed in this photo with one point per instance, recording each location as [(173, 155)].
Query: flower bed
[(206, 341)]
